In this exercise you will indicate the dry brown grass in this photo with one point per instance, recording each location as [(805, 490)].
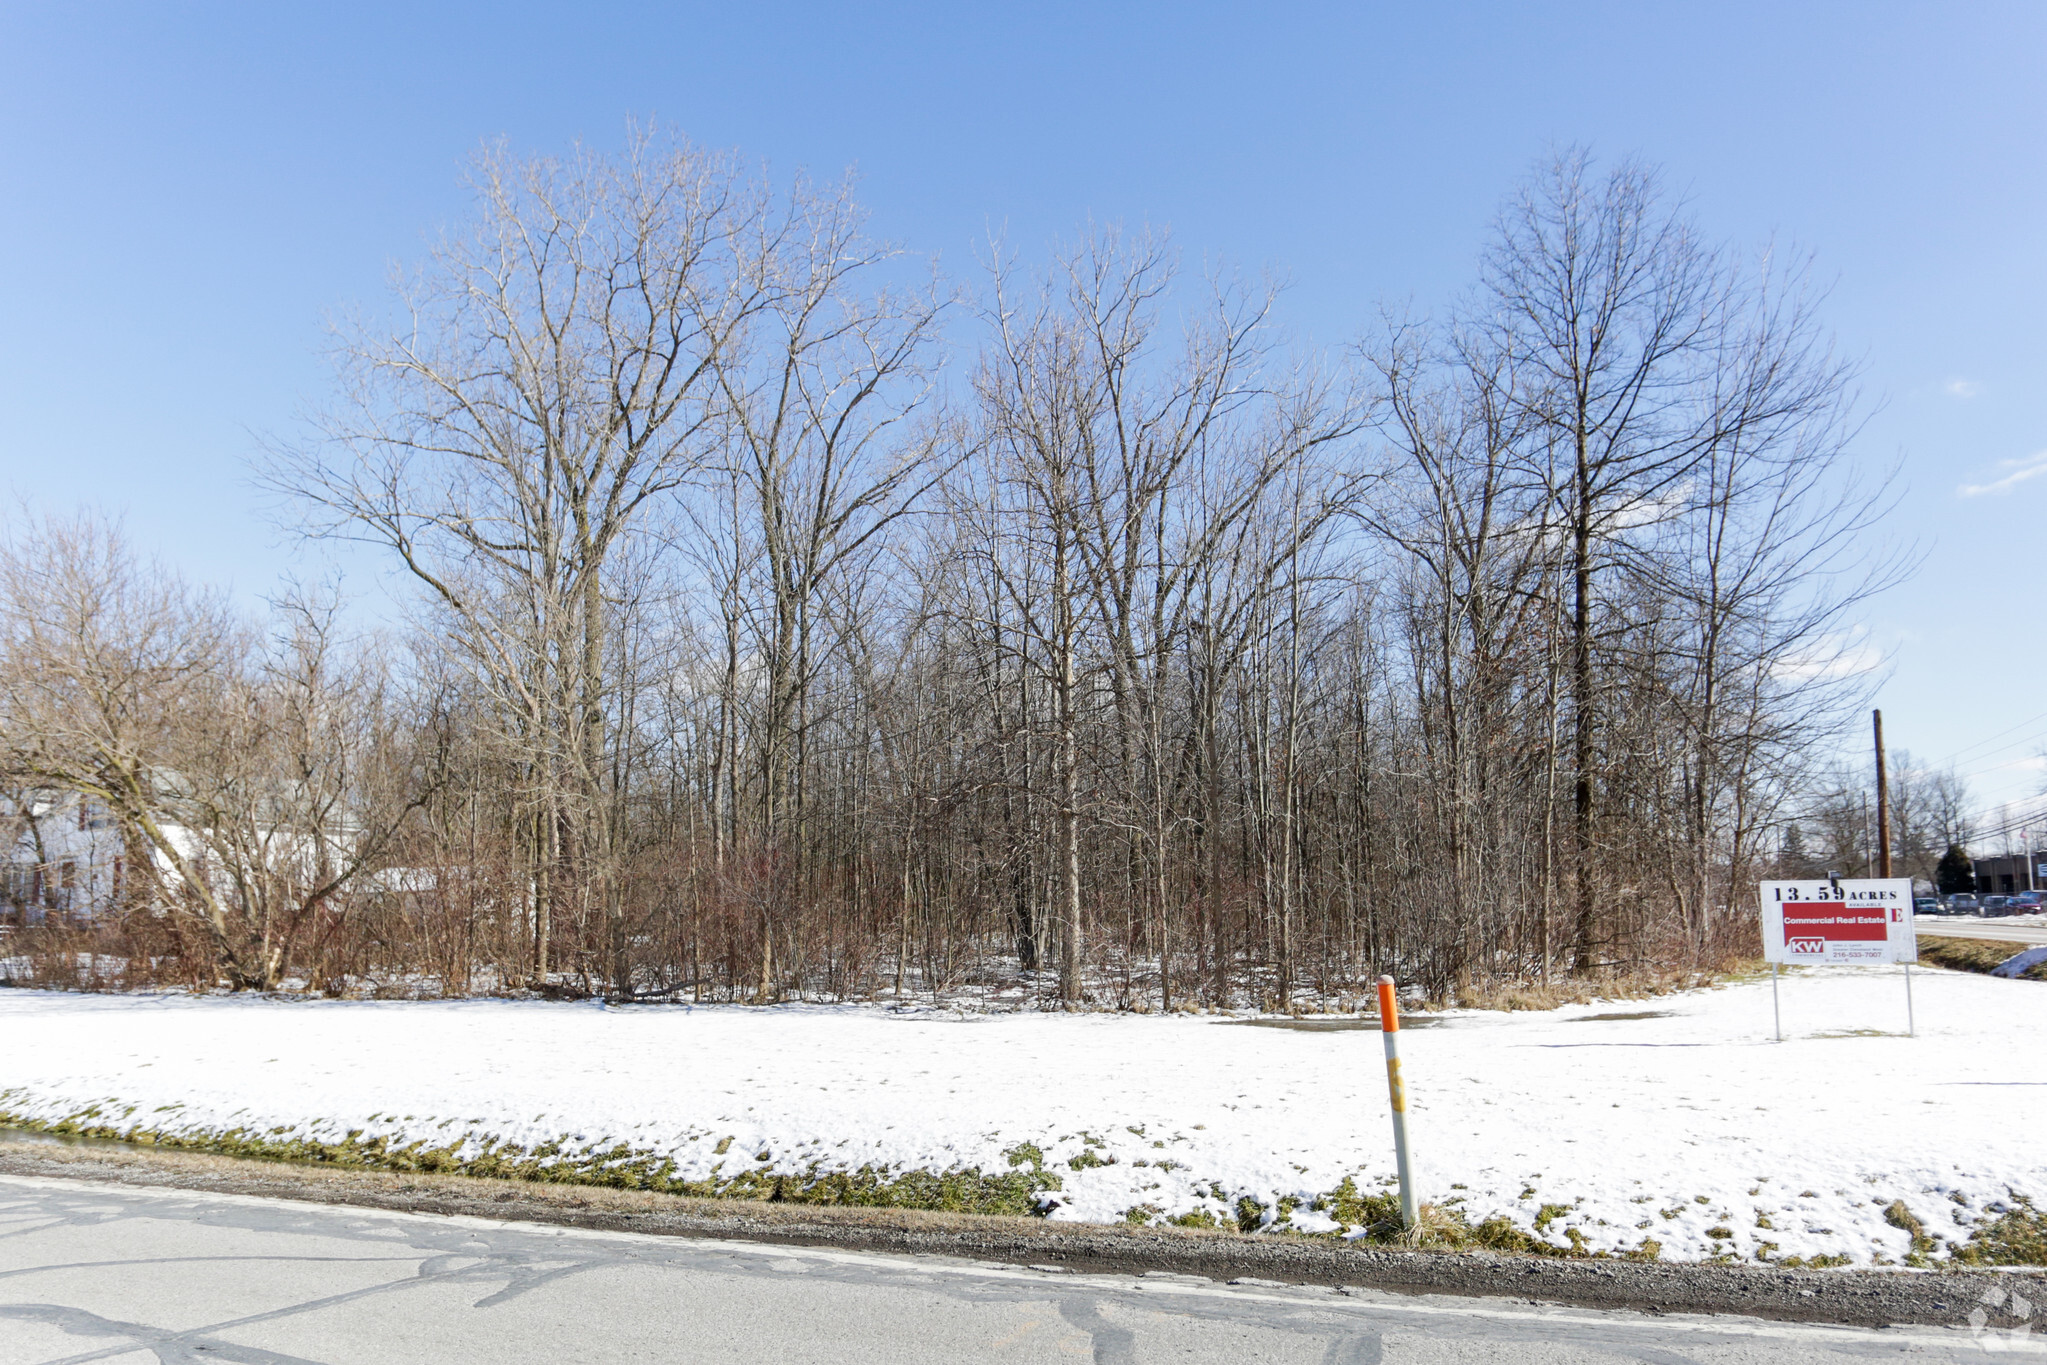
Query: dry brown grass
[(1527, 995), (1974, 954)]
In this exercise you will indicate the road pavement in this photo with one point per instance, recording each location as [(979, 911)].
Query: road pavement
[(2002, 930), (92, 1272)]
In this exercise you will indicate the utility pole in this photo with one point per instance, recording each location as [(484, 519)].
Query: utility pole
[(1883, 802)]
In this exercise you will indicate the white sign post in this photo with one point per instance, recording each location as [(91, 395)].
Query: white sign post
[(1858, 921)]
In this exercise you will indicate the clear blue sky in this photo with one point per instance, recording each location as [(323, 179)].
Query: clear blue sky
[(186, 191)]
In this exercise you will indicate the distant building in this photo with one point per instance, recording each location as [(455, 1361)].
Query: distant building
[(63, 860), (2010, 873), (59, 854)]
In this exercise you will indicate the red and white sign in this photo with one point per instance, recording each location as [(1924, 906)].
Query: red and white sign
[(1854, 921)]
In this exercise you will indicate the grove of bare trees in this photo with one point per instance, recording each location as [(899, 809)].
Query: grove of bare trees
[(788, 621)]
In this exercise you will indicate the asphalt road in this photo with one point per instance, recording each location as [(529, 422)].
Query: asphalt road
[(91, 1272), (2001, 930)]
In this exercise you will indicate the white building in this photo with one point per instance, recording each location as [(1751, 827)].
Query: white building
[(66, 860), (64, 857)]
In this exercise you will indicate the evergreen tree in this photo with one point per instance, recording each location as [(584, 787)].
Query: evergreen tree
[(1955, 873), (1794, 858)]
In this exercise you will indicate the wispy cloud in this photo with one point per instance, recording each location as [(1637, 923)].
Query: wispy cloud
[(1961, 388), (2016, 472), (1839, 656)]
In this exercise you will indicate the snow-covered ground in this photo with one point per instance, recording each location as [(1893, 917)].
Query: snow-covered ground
[(1691, 1128)]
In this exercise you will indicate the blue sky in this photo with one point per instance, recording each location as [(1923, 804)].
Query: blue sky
[(188, 191)]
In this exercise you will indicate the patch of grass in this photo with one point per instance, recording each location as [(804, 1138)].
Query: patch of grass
[(1353, 1209), (2017, 1236), (1810, 1262), (1091, 1149), (1531, 996), (1499, 1233), (1447, 1227), (1633, 985), (1975, 954), (1023, 1154), (1018, 1191), (1923, 1245)]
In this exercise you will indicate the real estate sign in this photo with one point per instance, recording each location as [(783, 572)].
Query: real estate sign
[(1854, 921)]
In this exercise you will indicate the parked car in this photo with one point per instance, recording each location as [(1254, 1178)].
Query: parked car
[(1995, 905), (1925, 905), (2027, 903), (1962, 903)]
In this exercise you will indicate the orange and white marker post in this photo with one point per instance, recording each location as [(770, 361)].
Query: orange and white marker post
[(1389, 1029)]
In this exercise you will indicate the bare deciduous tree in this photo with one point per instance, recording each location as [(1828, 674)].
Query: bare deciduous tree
[(253, 787), (760, 651)]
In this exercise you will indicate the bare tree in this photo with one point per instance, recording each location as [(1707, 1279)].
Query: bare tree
[(1663, 388), (820, 454), (761, 649), (553, 380), (253, 787)]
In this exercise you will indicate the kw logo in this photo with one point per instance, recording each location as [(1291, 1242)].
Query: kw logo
[(1808, 945)]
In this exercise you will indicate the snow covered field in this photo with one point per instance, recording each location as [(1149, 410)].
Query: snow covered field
[(1690, 1128)]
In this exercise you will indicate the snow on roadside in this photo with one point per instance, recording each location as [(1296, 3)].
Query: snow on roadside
[(1691, 1128)]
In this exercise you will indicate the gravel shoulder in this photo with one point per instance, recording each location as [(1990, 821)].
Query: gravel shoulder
[(1861, 1298)]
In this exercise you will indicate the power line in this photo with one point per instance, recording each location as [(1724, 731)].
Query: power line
[(1993, 767), (1981, 743), (2013, 823), (2010, 824)]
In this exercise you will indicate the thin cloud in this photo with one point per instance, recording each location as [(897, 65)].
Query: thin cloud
[(2031, 467), (1836, 657), (1961, 388)]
